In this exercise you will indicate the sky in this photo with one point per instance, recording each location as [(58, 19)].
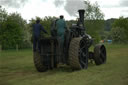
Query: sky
[(32, 8)]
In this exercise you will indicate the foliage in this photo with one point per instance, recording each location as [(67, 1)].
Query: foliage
[(3, 15), (12, 30), (106, 35), (108, 24), (45, 22), (118, 35), (94, 22), (27, 37), (94, 28), (121, 22), (3, 18), (93, 11), (120, 30)]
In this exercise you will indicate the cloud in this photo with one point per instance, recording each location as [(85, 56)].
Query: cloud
[(125, 11), (71, 6), (13, 3), (113, 4), (58, 3), (124, 3), (124, 6), (44, 0)]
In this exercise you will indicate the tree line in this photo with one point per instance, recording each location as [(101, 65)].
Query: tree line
[(15, 31)]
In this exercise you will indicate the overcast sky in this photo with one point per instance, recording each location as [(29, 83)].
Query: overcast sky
[(31, 8)]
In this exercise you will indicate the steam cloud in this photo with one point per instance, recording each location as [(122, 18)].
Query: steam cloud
[(58, 3), (13, 3), (71, 6)]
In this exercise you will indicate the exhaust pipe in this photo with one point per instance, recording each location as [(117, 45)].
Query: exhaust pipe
[(81, 16)]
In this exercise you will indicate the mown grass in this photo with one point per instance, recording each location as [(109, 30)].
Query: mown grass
[(17, 68)]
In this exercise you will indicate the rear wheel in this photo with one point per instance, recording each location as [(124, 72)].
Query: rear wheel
[(78, 54), (99, 54), (38, 64)]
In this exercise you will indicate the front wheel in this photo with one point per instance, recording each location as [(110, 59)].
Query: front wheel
[(100, 54)]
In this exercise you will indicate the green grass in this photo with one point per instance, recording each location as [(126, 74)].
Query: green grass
[(17, 68)]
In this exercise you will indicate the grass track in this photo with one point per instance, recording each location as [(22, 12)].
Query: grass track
[(16, 68)]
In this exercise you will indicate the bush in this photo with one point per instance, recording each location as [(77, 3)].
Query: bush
[(118, 35)]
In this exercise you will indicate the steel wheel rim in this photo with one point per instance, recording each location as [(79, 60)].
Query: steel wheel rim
[(83, 54)]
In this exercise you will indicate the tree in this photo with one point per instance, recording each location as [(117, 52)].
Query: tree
[(118, 35), (122, 23), (95, 28), (93, 11), (3, 15), (120, 30), (108, 24), (3, 18), (94, 20), (12, 31)]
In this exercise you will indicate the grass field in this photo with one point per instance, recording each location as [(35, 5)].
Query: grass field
[(17, 68)]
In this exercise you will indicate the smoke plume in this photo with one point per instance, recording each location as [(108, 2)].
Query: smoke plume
[(71, 6), (13, 3)]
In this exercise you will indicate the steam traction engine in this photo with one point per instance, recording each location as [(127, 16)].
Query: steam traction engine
[(75, 50)]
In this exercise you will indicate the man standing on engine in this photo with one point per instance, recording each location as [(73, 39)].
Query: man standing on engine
[(61, 27), (37, 28)]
